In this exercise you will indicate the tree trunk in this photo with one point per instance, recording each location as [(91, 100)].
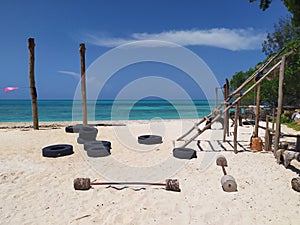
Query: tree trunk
[(33, 91), (83, 83)]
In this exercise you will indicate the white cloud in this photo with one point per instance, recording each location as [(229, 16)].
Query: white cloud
[(231, 39), (70, 73)]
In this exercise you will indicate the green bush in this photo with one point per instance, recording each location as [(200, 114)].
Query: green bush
[(285, 119)]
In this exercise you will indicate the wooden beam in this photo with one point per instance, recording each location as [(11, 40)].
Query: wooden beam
[(257, 111), (82, 50), (279, 107), (197, 124), (224, 111), (33, 91), (255, 85), (260, 69)]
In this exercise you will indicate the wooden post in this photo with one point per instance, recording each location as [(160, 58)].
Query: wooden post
[(33, 91), (216, 97), (257, 111), (83, 83), (236, 118), (273, 117), (226, 114), (279, 107), (267, 134), (268, 139)]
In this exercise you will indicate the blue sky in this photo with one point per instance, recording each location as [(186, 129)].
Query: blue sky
[(227, 35)]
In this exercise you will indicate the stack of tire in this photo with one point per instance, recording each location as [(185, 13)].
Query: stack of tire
[(87, 137), (87, 133), (97, 148)]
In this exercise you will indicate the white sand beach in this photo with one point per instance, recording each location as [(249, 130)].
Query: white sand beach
[(39, 190)]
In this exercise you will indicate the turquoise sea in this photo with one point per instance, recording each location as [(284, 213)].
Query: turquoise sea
[(62, 110)]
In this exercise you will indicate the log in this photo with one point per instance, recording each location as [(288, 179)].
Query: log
[(228, 183), (221, 161), (86, 184), (82, 183), (82, 50), (296, 184), (33, 91)]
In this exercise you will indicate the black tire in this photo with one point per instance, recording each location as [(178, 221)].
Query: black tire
[(184, 153), (73, 128), (98, 152), (149, 139), (81, 140), (57, 150), (69, 129), (88, 133), (103, 144)]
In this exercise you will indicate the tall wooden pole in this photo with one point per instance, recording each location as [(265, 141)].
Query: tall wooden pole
[(257, 111), (83, 83), (279, 107), (227, 103), (216, 97), (33, 91), (226, 114), (236, 118)]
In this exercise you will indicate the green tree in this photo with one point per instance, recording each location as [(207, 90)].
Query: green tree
[(292, 77), (284, 32), (237, 80)]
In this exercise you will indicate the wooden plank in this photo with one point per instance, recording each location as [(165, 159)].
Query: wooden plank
[(227, 108), (200, 131), (260, 69), (239, 98), (197, 124)]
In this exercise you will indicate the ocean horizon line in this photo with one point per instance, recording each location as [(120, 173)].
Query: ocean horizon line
[(68, 110)]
